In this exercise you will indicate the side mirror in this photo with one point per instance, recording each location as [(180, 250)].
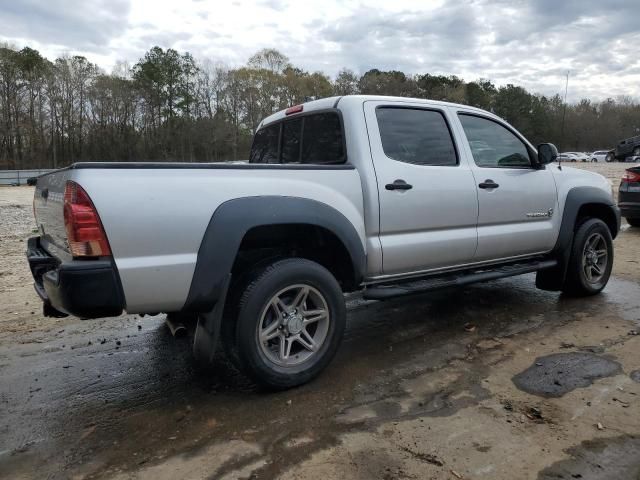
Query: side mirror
[(547, 153)]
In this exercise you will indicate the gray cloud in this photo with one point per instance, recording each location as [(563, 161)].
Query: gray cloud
[(413, 41), (279, 5), (81, 24), (530, 43), (525, 42), (162, 39), (450, 25)]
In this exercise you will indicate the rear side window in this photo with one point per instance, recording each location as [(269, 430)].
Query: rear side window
[(322, 141), (493, 145), (416, 136), (309, 139), (265, 145)]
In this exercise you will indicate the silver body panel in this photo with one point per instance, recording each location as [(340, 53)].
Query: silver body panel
[(155, 219), (504, 227), (433, 225), (48, 203)]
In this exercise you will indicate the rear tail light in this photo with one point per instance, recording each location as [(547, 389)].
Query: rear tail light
[(84, 230), (630, 176)]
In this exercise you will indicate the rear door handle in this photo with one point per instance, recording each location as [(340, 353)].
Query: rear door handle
[(488, 184), (398, 185)]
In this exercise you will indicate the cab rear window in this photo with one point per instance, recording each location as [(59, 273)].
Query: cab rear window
[(315, 139), (265, 145)]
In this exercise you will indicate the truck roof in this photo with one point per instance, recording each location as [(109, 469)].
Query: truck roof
[(333, 102)]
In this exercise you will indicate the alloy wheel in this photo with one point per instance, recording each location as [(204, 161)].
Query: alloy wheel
[(594, 258), (293, 325)]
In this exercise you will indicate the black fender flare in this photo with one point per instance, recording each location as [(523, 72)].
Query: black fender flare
[(553, 278), (234, 218)]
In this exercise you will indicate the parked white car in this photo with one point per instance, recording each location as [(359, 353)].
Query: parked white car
[(602, 156), (579, 156), (567, 157)]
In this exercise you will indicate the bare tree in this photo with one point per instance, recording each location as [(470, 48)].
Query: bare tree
[(168, 106)]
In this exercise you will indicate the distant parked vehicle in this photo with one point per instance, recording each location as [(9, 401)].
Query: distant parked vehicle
[(627, 148), (567, 157), (573, 157), (580, 156), (629, 196), (602, 156)]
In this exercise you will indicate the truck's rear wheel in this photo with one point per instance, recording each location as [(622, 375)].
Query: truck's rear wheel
[(289, 323), (591, 259)]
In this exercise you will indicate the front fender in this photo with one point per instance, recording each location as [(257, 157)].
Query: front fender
[(577, 197), (553, 278)]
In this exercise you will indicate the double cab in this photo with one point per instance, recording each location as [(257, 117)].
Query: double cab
[(379, 195)]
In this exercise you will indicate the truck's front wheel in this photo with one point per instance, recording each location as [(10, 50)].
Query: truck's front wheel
[(289, 323), (591, 259)]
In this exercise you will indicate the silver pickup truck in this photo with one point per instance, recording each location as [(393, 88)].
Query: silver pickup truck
[(386, 196)]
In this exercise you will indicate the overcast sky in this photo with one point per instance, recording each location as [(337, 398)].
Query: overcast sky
[(529, 43)]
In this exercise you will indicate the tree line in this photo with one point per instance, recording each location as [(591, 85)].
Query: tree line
[(171, 107)]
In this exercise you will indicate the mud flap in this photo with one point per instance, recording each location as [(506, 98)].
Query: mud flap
[(552, 279), (49, 311), (208, 329)]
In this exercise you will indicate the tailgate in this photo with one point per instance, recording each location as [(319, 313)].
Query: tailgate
[(48, 205)]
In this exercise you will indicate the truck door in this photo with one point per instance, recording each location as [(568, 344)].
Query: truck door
[(517, 201), (427, 193)]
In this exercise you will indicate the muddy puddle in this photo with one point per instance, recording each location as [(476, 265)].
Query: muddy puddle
[(616, 458), (558, 374)]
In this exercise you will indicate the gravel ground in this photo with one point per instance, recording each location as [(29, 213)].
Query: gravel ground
[(496, 381)]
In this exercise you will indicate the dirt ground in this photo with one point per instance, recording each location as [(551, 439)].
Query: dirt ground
[(496, 381)]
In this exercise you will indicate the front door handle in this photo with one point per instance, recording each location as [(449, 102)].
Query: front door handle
[(398, 185), (488, 184)]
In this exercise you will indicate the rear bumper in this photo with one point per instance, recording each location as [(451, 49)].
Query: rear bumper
[(629, 204), (84, 288), (630, 210)]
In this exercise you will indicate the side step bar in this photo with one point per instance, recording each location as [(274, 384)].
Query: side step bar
[(456, 279)]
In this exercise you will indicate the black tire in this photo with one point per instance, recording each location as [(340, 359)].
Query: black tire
[(239, 285), (255, 300), (634, 222), (576, 282)]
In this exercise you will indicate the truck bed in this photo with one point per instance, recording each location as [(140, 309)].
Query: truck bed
[(155, 214)]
